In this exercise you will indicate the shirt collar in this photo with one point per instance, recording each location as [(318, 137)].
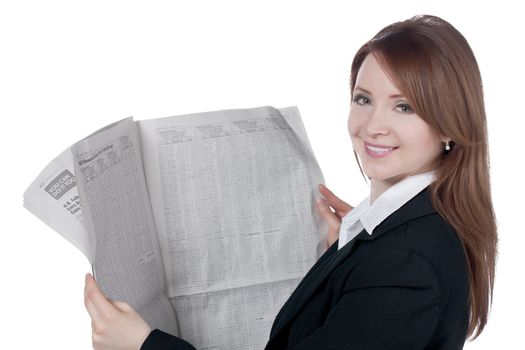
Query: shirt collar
[(370, 216), (394, 198)]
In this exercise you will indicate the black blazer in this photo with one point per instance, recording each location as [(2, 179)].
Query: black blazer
[(403, 287)]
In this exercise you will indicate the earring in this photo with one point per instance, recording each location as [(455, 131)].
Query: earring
[(447, 146)]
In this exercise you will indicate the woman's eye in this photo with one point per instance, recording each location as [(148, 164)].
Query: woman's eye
[(361, 100), (405, 108)]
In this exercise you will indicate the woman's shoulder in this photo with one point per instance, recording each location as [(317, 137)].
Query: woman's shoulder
[(432, 232), (424, 251), (417, 225), (433, 238)]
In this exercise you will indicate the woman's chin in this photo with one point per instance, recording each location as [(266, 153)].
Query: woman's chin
[(383, 176)]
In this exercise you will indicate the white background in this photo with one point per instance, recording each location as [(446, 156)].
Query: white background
[(68, 68)]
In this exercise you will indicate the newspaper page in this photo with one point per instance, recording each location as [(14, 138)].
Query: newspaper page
[(233, 195), (113, 193), (53, 198)]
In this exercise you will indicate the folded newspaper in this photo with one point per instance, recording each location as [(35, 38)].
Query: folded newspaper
[(204, 223)]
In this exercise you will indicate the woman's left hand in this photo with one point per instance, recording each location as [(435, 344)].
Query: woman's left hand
[(332, 209), (115, 325)]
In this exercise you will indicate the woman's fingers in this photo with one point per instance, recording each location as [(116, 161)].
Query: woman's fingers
[(341, 208), (123, 306), (88, 303), (328, 215), (97, 305), (334, 223), (332, 209)]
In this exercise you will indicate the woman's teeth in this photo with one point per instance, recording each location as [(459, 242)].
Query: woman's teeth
[(379, 149)]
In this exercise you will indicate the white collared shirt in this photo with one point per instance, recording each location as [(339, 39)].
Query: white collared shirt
[(368, 217)]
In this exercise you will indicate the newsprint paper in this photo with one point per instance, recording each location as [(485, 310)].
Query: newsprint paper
[(204, 223)]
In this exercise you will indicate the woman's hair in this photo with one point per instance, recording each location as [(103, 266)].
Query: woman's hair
[(435, 68)]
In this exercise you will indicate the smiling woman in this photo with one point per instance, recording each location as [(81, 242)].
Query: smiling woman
[(412, 266), (432, 69), (392, 141)]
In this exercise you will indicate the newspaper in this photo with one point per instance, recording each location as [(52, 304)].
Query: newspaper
[(204, 223)]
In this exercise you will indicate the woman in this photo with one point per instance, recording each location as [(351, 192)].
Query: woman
[(412, 266)]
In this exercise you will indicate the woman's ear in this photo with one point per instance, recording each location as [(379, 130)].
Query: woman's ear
[(445, 139), (448, 143)]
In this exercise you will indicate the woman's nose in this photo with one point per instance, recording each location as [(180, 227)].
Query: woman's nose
[(376, 123)]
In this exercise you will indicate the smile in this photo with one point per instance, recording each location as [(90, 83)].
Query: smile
[(378, 152)]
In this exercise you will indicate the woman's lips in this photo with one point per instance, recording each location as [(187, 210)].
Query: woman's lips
[(378, 151)]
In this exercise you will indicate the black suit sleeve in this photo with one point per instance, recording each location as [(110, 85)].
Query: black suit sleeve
[(390, 301), (158, 340)]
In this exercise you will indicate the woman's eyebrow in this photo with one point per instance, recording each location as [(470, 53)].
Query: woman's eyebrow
[(363, 90), (369, 93), (397, 96)]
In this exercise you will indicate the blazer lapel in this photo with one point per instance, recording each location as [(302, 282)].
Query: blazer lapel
[(310, 283), (418, 206)]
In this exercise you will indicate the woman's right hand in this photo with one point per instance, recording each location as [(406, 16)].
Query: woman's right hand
[(332, 209), (115, 325)]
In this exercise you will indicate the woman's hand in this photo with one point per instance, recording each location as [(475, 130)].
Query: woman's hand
[(332, 209), (115, 325)]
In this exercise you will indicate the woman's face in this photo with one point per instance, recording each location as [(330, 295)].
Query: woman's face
[(391, 140)]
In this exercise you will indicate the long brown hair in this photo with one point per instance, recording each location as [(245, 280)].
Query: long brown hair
[(435, 68)]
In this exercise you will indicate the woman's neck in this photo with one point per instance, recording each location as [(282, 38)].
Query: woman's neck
[(378, 187)]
